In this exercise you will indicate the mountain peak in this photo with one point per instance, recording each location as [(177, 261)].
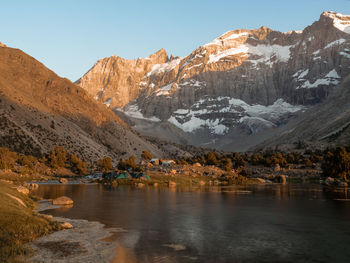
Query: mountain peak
[(161, 53), (335, 15), (340, 21)]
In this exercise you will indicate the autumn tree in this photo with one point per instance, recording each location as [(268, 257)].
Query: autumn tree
[(211, 159), (58, 157), (7, 158), (105, 163), (129, 163), (77, 165), (336, 163), (237, 161), (27, 160), (146, 155)]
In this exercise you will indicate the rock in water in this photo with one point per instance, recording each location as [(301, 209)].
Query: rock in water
[(63, 181), (63, 200)]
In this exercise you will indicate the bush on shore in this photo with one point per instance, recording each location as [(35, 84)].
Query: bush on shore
[(336, 163)]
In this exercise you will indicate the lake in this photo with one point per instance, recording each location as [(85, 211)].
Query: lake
[(258, 223)]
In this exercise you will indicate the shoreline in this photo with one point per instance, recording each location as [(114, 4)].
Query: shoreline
[(87, 241)]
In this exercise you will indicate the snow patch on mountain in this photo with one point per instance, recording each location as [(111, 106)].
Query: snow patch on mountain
[(165, 67), (202, 114), (347, 55), (134, 112), (164, 91), (341, 22), (300, 75), (336, 42), (230, 35), (332, 78), (282, 53)]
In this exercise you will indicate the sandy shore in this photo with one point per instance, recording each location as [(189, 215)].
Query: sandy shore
[(85, 242)]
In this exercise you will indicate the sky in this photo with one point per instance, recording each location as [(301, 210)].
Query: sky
[(69, 36)]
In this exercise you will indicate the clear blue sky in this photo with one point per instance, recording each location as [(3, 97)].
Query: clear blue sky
[(69, 36)]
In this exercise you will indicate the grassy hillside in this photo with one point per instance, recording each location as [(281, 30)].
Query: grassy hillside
[(19, 223)]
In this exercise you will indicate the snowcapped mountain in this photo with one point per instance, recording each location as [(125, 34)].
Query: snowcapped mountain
[(233, 92)]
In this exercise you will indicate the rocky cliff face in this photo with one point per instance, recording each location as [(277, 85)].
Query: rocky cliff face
[(245, 82), (116, 81)]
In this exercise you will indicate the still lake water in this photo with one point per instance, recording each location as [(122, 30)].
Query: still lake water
[(272, 223)]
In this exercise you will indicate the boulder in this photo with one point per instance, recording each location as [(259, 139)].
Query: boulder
[(23, 190), (197, 165), (155, 184), (140, 185), (201, 182), (67, 225), (63, 200), (63, 180)]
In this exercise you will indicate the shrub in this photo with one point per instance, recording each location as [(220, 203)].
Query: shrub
[(146, 155), (77, 165), (336, 163), (58, 157), (227, 164), (105, 163), (129, 164), (257, 159), (7, 158), (237, 161), (27, 160), (211, 159)]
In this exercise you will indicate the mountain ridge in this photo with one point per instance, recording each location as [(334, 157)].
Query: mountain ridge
[(243, 83), (39, 111)]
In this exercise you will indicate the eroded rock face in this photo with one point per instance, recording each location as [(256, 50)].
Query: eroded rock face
[(116, 81), (243, 82)]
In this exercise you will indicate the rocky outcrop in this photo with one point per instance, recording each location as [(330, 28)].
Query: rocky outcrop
[(116, 81), (243, 83)]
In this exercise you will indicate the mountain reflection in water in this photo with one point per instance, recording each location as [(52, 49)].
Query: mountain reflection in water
[(259, 223)]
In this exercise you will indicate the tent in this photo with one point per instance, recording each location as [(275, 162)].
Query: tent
[(122, 176), (109, 176), (139, 175)]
